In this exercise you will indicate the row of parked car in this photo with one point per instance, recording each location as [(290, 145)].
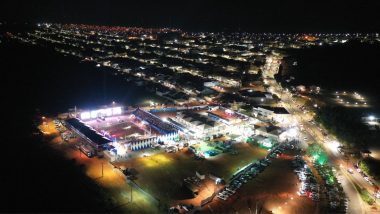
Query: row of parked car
[(193, 180), (377, 194), (276, 151), (181, 208), (67, 135), (58, 125), (248, 173), (366, 178), (309, 186), (334, 191)]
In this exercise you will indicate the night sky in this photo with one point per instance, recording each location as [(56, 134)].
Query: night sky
[(236, 15)]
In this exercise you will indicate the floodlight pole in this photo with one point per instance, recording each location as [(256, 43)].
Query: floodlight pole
[(102, 169), (131, 191)]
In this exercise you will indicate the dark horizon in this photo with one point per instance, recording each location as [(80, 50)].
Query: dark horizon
[(297, 16)]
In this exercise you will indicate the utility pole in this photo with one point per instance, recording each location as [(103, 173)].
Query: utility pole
[(102, 169), (131, 191)]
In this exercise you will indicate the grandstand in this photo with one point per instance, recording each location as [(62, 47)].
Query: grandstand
[(91, 135), (154, 121)]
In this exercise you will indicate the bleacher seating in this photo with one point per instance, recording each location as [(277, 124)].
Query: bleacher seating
[(155, 122)]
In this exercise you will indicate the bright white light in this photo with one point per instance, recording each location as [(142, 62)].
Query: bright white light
[(116, 111), (228, 111), (108, 112), (334, 145), (293, 132), (120, 149), (267, 144), (165, 119), (94, 114), (371, 118), (85, 115)]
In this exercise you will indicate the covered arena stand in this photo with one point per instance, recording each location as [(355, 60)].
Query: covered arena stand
[(154, 121), (94, 138)]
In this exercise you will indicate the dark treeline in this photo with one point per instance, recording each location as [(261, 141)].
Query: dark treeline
[(34, 177), (349, 66), (346, 124)]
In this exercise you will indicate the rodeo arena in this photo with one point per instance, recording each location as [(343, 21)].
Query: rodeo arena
[(116, 131)]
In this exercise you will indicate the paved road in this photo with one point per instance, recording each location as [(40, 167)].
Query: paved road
[(313, 134)]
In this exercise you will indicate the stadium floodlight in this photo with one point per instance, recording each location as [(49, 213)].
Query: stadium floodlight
[(116, 111), (94, 114), (85, 115), (108, 111)]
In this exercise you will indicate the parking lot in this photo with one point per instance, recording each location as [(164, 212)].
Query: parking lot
[(273, 189), (172, 168)]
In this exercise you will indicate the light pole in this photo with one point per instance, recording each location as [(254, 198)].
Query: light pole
[(131, 191), (102, 170)]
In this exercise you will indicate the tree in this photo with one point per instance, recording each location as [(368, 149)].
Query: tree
[(313, 149), (364, 167)]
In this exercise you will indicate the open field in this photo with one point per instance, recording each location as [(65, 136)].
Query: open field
[(171, 168)]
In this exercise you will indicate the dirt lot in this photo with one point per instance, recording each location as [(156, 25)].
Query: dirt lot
[(274, 190), (162, 174), (111, 179)]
